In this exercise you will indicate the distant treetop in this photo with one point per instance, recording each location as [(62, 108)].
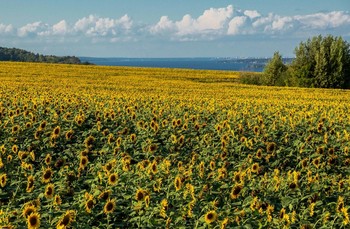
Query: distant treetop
[(20, 55)]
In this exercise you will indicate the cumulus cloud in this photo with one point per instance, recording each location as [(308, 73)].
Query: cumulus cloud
[(213, 23), (5, 29), (33, 29), (252, 14), (97, 26), (324, 20), (61, 28), (235, 24)]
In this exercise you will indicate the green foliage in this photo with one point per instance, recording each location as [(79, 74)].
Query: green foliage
[(275, 70), (20, 55), (253, 78), (322, 62)]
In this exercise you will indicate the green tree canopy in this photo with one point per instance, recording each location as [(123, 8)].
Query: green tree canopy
[(275, 70), (322, 62)]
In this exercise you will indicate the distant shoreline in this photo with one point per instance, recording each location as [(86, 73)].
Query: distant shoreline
[(201, 63)]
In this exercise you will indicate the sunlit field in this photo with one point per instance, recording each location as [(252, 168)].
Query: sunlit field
[(115, 147)]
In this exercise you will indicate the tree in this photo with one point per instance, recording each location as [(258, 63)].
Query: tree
[(322, 62), (275, 70)]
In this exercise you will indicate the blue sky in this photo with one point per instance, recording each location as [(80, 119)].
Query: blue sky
[(164, 28)]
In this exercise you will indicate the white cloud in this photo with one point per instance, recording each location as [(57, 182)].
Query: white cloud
[(164, 25), (33, 29), (252, 14), (5, 29), (61, 28), (235, 24), (280, 23), (213, 23), (96, 26), (324, 20)]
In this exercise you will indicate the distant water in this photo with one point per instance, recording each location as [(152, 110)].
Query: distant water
[(228, 64)]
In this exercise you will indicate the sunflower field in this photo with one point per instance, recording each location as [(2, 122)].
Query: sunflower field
[(118, 147)]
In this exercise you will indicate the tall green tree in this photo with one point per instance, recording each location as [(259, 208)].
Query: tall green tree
[(322, 62), (275, 70)]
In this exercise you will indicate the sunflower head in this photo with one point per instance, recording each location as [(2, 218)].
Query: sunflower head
[(271, 147), (28, 210), (178, 183), (112, 179), (30, 183), (140, 194), (210, 217), (48, 159), (236, 190), (57, 200), (105, 195), (47, 175), (89, 205), (89, 141), (49, 191), (33, 221), (255, 168), (83, 161), (3, 180), (66, 219), (109, 206)]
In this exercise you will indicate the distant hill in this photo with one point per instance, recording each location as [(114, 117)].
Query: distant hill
[(20, 55)]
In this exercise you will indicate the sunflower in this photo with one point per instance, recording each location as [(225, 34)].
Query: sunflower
[(259, 154), (181, 140), (89, 204), (316, 162), (210, 217), (89, 141), (69, 134), (271, 147), (119, 141), (30, 183), (28, 210), (47, 175), (340, 204), (224, 223), (212, 165), (49, 191), (15, 129), (154, 168), (3, 179), (140, 194), (105, 195), (15, 149), (147, 201), (152, 148), (292, 185), (28, 124), (236, 190), (42, 125), (109, 206), (67, 219), (177, 183), (83, 161), (48, 159), (57, 200), (282, 213), (112, 179), (56, 132), (133, 137), (255, 168), (33, 221)]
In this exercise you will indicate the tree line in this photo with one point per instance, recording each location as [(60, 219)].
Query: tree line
[(322, 62), (20, 55)]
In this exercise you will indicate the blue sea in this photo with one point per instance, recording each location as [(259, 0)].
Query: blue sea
[(228, 64)]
